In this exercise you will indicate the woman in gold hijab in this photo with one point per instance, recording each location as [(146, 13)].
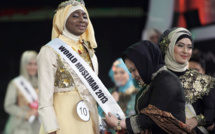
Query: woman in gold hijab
[(60, 89)]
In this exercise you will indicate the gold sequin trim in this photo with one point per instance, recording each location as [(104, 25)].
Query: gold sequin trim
[(201, 120), (196, 85), (63, 78), (87, 52), (89, 48), (65, 92)]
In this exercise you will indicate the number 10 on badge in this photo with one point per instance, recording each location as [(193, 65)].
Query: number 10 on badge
[(83, 111)]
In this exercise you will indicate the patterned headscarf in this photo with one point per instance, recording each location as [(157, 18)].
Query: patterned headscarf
[(60, 18), (119, 63), (167, 43)]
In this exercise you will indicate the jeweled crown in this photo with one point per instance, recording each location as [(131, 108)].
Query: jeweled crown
[(73, 2)]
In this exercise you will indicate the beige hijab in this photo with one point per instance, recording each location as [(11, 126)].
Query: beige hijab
[(27, 56), (169, 57), (60, 18)]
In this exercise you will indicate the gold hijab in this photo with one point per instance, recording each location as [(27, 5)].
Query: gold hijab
[(58, 25)]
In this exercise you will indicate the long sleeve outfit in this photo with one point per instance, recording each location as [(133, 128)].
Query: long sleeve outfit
[(197, 88), (164, 92), (60, 89), (18, 108)]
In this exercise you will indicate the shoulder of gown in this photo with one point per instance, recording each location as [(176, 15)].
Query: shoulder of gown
[(196, 85)]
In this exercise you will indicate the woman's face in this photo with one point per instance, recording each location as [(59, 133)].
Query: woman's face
[(77, 22), (154, 38), (120, 76), (32, 67), (183, 50), (133, 70)]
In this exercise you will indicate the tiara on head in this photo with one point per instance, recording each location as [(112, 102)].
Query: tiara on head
[(73, 2)]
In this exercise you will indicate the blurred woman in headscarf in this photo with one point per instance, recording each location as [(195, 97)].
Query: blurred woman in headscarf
[(124, 90), (21, 101), (152, 35)]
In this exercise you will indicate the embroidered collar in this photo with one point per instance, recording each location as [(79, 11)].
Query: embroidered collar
[(196, 85)]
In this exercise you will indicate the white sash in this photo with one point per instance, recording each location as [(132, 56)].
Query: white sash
[(88, 77), (190, 113), (26, 89)]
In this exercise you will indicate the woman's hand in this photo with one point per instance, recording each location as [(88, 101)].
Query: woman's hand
[(210, 128), (30, 113), (112, 121), (115, 96), (34, 112), (192, 122)]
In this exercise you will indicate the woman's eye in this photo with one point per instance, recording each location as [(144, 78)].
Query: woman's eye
[(75, 16), (180, 45), (190, 47), (122, 72), (131, 70), (85, 17)]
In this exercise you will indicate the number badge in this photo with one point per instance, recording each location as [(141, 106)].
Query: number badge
[(83, 111)]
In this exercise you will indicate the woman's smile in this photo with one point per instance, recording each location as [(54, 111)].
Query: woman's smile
[(81, 26), (184, 56)]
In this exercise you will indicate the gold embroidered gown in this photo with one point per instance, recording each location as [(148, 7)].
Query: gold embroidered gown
[(66, 95), (197, 90)]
